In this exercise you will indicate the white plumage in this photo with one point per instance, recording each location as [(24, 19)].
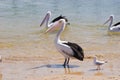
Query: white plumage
[(98, 63)]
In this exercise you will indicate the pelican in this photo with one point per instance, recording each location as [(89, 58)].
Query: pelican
[(113, 27), (67, 49), (47, 17), (98, 63)]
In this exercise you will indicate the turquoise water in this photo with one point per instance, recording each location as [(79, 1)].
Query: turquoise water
[(76, 10), (20, 20)]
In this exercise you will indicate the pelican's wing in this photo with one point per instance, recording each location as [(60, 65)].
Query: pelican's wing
[(117, 24), (58, 18), (78, 51), (115, 28)]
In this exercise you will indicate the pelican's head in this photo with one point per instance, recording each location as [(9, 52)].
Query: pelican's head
[(94, 59), (64, 17), (109, 19), (46, 18), (57, 24), (112, 16)]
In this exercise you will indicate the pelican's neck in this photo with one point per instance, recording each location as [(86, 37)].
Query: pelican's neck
[(47, 19), (57, 39), (47, 23), (111, 21)]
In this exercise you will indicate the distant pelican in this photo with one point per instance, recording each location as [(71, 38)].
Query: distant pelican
[(98, 63), (115, 27), (67, 49), (47, 17)]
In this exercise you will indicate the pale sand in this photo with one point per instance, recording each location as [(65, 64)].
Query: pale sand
[(21, 67)]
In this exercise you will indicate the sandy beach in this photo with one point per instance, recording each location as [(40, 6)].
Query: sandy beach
[(49, 67)]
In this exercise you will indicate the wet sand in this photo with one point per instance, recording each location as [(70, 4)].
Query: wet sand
[(22, 66)]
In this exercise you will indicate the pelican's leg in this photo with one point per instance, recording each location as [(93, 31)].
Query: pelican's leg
[(65, 62), (68, 59)]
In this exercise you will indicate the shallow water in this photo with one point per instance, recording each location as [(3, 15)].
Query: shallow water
[(20, 21)]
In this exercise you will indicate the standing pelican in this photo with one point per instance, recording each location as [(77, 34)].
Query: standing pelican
[(114, 27), (98, 63), (47, 17), (67, 49)]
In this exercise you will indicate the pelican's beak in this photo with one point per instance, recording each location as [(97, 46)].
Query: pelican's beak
[(46, 18), (54, 26), (107, 21)]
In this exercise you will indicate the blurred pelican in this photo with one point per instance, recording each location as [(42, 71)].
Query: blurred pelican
[(67, 49), (113, 27), (47, 18)]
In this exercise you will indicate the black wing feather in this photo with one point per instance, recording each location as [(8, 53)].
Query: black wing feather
[(58, 18), (116, 24), (78, 51)]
